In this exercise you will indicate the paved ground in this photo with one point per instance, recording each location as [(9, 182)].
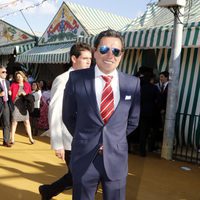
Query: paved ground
[(24, 167)]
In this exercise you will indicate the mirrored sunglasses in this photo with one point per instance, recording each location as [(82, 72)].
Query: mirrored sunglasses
[(104, 49)]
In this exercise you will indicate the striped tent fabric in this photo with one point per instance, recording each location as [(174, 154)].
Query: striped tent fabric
[(20, 48), (161, 37), (150, 38), (131, 62), (58, 53), (89, 40), (155, 16), (7, 50), (25, 47), (163, 59), (95, 20), (189, 97)]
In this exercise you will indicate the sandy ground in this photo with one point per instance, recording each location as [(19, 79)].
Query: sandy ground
[(24, 167)]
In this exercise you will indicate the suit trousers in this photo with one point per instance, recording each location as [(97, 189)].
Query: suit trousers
[(65, 181), (5, 119), (85, 187)]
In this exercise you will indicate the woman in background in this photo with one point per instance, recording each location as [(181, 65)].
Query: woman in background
[(20, 88), (43, 85), (36, 92), (44, 107)]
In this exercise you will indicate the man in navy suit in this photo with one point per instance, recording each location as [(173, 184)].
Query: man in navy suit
[(6, 106), (99, 146)]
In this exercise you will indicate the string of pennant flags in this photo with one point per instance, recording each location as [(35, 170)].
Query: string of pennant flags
[(11, 3), (15, 2)]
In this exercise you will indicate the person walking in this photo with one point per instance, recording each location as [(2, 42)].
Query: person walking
[(6, 106), (81, 56), (36, 92), (19, 89), (101, 107)]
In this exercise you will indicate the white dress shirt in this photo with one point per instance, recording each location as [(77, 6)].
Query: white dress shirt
[(37, 96), (5, 87), (100, 83)]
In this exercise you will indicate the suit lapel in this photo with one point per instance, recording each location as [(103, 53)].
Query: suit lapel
[(90, 89), (122, 86)]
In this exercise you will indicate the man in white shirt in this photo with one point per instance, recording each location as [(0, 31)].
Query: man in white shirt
[(81, 57)]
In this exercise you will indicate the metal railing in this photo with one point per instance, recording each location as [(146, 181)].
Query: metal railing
[(187, 138)]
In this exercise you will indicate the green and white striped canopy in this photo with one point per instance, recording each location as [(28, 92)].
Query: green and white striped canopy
[(161, 37), (20, 48), (46, 54)]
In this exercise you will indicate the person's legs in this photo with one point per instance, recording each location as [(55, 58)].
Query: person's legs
[(64, 183), (143, 136), (28, 130), (36, 126), (6, 123), (85, 187), (33, 121), (113, 190), (13, 130)]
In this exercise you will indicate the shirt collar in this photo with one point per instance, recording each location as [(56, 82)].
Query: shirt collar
[(71, 69), (164, 84), (99, 73)]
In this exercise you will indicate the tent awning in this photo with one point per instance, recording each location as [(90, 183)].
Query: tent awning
[(88, 39), (20, 48), (161, 37), (46, 54)]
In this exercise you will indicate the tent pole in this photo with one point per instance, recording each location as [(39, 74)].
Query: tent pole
[(174, 70)]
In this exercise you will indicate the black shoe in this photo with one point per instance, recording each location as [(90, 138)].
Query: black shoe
[(69, 187), (6, 144), (44, 191)]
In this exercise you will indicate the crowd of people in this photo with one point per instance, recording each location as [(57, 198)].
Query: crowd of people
[(90, 110), (22, 101)]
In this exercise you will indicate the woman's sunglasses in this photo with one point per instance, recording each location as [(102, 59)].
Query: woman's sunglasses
[(104, 49)]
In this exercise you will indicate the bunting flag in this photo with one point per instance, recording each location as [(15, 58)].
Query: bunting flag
[(11, 3)]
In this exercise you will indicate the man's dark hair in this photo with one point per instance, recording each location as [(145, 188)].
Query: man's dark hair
[(76, 51), (1, 66), (78, 47), (165, 73), (109, 33)]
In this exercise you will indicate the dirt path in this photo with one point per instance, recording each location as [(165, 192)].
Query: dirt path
[(24, 167)]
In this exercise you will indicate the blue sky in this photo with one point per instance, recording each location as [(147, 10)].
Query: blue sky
[(39, 17)]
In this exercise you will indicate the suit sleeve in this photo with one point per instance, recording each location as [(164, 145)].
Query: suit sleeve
[(134, 112), (69, 111)]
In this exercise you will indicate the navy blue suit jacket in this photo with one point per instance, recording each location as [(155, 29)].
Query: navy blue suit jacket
[(10, 103), (83, 120)]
